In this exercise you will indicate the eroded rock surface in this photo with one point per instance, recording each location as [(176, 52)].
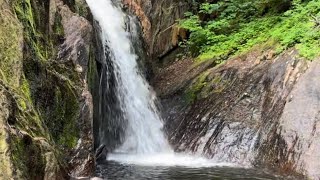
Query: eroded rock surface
[(76, 48)]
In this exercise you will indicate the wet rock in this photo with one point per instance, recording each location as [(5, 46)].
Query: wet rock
[(78, 35), (262, 114), (85, 178), (142, 10), (76, 48), (101, 154), (299, 123)]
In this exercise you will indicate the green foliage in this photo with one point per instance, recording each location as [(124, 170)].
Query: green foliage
[(209, 8), (220, 30)]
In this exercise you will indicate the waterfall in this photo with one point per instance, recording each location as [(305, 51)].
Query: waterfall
[(132, 119), (143, 133)]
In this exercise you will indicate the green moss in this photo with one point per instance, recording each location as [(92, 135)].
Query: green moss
[(25, 89), (5, 161), (198, 84), (204, 86), (63, 119), (27, 158), (219, 84), (58, 28), (10, 47), (82, 8), (35, 39), (43, 93), (59, 116)]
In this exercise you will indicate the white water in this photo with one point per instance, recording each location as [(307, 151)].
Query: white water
[(169, 159), (143, 135), (145, 143)]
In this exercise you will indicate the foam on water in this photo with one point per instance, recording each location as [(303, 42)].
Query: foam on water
[(169, 159)]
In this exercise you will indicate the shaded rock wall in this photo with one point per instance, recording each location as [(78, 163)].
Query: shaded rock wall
[(46, 111)]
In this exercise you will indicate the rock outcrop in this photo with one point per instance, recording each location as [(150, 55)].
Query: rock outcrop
[(46, 107), (252, 110), (159, 23), (297, 133)]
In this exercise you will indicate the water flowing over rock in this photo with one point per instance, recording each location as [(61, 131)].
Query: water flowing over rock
[(132, 130), (133, 117)]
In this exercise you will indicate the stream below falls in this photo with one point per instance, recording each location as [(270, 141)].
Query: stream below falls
[(117, 171)]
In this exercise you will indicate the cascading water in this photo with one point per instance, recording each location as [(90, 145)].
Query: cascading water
[(142, 140), (128, 123), (134, 94)]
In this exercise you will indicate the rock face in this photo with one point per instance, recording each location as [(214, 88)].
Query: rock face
[(159, 23), (299, 124), (228, 106), (76, 48), (250, 110), (46, 107)]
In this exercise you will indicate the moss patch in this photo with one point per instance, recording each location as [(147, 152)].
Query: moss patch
[(11, 38), (82, 8), (5, 161), (34, 15), (198, 84), (27, 158)]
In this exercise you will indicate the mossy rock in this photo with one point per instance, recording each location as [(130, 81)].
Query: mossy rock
[(11, 43), (39, 123), (193, 91)]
